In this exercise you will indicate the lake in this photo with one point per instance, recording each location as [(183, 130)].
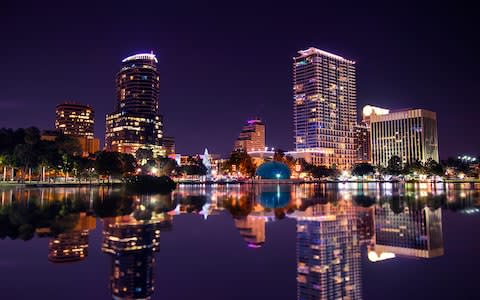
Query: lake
[(309, 241)]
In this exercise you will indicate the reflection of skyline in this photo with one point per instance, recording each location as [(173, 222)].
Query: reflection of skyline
[(72, 245), (414, 233), (392, 220), (131, 245), (252, 229), (328, 253)]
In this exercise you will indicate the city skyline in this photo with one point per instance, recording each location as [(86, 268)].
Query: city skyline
[(391, 72)]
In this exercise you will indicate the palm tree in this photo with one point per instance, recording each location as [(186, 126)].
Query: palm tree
[(3, 163)]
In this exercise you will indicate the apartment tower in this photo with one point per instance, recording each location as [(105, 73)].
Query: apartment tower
[(324, 109)]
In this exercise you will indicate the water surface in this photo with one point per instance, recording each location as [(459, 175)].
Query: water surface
[(323, 241)]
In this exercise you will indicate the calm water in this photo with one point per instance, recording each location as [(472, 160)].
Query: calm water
[(325, 241)]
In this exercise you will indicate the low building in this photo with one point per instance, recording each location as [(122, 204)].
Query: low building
[(76, 120), (409, 134)]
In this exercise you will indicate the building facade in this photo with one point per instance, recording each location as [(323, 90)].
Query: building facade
[(136, 122), (77, 120), (362, 143), (408, 134), (252, 136), (324, 107)]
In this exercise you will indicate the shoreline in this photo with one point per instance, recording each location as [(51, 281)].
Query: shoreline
[(249, 182)]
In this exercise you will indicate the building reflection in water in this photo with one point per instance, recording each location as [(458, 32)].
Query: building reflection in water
[(334, 221), (412, 232), (72, 245), (328, 252), (132, 245), (252, 229)]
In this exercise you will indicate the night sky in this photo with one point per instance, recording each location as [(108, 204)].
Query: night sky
[(221, 64)]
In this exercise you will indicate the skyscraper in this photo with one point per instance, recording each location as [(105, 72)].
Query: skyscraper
[(136, 121), (77, 120), (324, 108), (252, 136), (409, 134)]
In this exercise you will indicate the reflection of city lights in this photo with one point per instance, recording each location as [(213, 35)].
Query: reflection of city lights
[(374, 257)]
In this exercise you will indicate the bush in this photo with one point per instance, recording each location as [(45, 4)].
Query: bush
[(147, 183)]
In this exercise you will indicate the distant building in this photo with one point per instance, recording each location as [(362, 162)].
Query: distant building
[(252, 136), (324, 108), (409, 134), (363, 145), (413, 232), (77, 120), (136, 121), (169, 145)]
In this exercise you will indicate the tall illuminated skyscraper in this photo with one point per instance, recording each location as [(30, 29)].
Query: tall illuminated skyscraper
[(324, 108), (136, 121)]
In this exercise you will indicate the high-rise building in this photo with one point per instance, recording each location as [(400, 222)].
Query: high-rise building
[(413, 232), (362, 143), (77, 120), (324, 108), (328, 253), (252, 136), (409, 134), (136, 122)]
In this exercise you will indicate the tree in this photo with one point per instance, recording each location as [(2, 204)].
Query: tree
[(166, 166), (194, 166), (322, 171), (242, 162), (414, 167), (129, 163), (68, 145), (434, 168), (4, 162), (32, 135), (108, 164), (143, 154), (279, 155), (24, 157), (394, 165), (363, 169)]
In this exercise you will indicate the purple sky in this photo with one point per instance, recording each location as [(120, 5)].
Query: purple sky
[(221, 64)]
